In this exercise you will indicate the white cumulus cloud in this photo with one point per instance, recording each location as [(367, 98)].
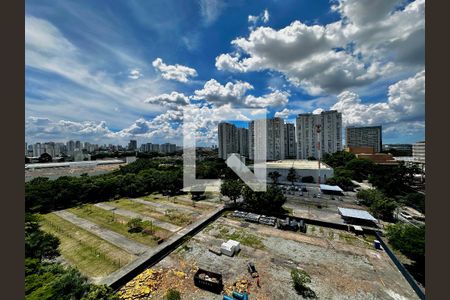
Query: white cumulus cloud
[(174, 72)]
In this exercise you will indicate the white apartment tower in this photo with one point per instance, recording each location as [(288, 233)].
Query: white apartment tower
[(330, 135), (274, 132)]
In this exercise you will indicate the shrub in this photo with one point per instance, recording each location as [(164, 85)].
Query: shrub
[(300, 279), (172, 294)]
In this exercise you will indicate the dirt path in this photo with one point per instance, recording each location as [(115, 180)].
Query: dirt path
[(108, 235), (162, 207), (131, 214)]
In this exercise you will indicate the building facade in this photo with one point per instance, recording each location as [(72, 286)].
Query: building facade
[(228, 139), (290, 149), (242, 139), (330, 135), (132, 145), (368, 136), (273, 132), (418, 151)]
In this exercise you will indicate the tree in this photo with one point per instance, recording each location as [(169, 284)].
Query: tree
[(232, 189), (408, 239), (100, 292), (172, 294), (39, 244), (300, 279), (135, 225), (383, 208), (292, 176), (270, 201), (338, 159), (360, 168), (274, 175), (343, 182)]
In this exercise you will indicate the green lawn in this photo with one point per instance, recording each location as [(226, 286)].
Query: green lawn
[(90, 254), (104, 218), (171, 216), (239, 235)]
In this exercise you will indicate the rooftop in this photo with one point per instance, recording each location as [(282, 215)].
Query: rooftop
[(296, 164), (356, 214), (333, 188)]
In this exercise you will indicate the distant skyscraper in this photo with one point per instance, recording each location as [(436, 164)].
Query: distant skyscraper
[(228, 139), (242, 139), (289, 141), (132, 145), (274, 137), (70, 147), (368, 136), (330, 135), (37, 149), (167, 148), (78, 145), (26, 148)]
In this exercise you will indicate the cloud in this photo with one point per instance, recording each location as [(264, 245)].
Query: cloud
[(284, 114), (173, 99), (174, 72), (210, 10), (218, 94), (404, 110), (135, 74), (363, 46), (236, 95), (274, 99), (263, 17)]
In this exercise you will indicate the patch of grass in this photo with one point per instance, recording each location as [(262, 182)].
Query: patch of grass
[(90, 254), (117, 223), (241, 236)]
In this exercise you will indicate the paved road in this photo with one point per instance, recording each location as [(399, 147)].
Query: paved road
[(132, 214), (108, 235), (162, 207)]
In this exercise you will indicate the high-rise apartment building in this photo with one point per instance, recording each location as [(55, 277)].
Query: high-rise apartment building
[(242, 139), (167, 148), (289, 141), (418, 151), (132, 145), (368, 136), (70, 147), (228, 139), (330, 135), (274, 134)]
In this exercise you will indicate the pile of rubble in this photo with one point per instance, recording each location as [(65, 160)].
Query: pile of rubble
[(142, 286), (240, 286)]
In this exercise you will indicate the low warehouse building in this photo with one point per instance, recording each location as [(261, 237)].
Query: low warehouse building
[(303, 168), (357, 216)]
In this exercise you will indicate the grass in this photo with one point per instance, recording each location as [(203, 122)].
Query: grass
[(90, 254), (170, 216), (104, 218), (241, 236), (162, 199)]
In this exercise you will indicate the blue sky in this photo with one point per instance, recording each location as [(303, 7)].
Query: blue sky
[(107, 71)]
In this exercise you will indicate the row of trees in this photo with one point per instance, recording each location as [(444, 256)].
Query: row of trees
[(45, 279), (136, 179), (270, 201)]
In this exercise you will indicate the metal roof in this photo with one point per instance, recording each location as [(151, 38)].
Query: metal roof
[(356, 214), (333, 188)]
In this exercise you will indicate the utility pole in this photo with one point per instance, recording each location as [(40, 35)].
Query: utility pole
[(319, 152)]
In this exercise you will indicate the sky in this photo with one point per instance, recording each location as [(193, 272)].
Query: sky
[(110, 71)]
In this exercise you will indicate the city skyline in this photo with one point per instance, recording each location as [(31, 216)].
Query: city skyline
[(132, 81)]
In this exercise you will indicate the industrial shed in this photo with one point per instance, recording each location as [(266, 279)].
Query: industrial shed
[(331, 189), (357, 216)]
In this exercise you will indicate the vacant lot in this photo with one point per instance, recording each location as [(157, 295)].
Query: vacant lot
[(93, 256), (341, 265), (97, 241)]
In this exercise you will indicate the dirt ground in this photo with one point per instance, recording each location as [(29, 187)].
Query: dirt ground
[(341, 266)]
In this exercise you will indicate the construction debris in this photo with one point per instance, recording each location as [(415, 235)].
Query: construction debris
[(242, 285), (142, 285)]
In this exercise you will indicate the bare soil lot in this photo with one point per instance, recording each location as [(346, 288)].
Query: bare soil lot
[(341, 265)]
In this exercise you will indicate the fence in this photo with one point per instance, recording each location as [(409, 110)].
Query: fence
[(402, 269)]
